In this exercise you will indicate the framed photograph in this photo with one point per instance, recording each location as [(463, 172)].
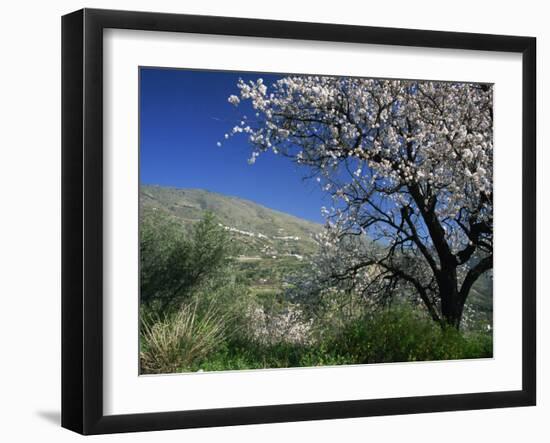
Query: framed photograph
[(269, 221)]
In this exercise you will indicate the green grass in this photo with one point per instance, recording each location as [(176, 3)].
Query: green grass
[(392, 335), (402, 334)]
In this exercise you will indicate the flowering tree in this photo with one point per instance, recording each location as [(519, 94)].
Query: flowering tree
[(408, 165)]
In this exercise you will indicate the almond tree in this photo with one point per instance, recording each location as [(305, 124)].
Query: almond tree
[(408, 164)]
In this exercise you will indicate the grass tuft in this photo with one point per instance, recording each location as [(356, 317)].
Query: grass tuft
[(174, 342)]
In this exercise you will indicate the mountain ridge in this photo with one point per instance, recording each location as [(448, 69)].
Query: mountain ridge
[(228, 196), (262, 230)]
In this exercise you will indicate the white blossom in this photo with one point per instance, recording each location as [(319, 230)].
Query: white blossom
[(234, 100), (404, 161)]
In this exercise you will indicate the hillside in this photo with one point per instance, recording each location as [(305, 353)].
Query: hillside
[(262, 232), (271, 244)]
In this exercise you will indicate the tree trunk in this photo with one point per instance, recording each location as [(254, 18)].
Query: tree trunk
[(451, 304), (451, 312)]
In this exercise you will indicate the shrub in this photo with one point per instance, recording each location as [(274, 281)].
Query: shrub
[(176, 341), (397, 334), (270, 326), (175, 264), (403, 333)]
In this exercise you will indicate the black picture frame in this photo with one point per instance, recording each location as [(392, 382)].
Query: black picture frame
[(82, 218)]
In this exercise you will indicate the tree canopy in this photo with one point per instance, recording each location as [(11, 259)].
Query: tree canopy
[(409, 167), (174, 263)]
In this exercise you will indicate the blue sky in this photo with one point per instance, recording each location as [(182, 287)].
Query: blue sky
[(183, 114)]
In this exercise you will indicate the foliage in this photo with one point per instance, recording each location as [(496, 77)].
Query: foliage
[(396, 334), (174, 264), (175, 341), (400, 334)]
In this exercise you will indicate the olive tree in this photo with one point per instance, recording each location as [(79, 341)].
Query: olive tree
[(175, 263)]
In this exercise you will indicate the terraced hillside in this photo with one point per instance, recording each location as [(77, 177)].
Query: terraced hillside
[(271, 244), (262, 232)]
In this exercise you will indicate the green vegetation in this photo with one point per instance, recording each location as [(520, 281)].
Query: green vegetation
[(215, 297), (180, 339), (174, 265), (394, 335)]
